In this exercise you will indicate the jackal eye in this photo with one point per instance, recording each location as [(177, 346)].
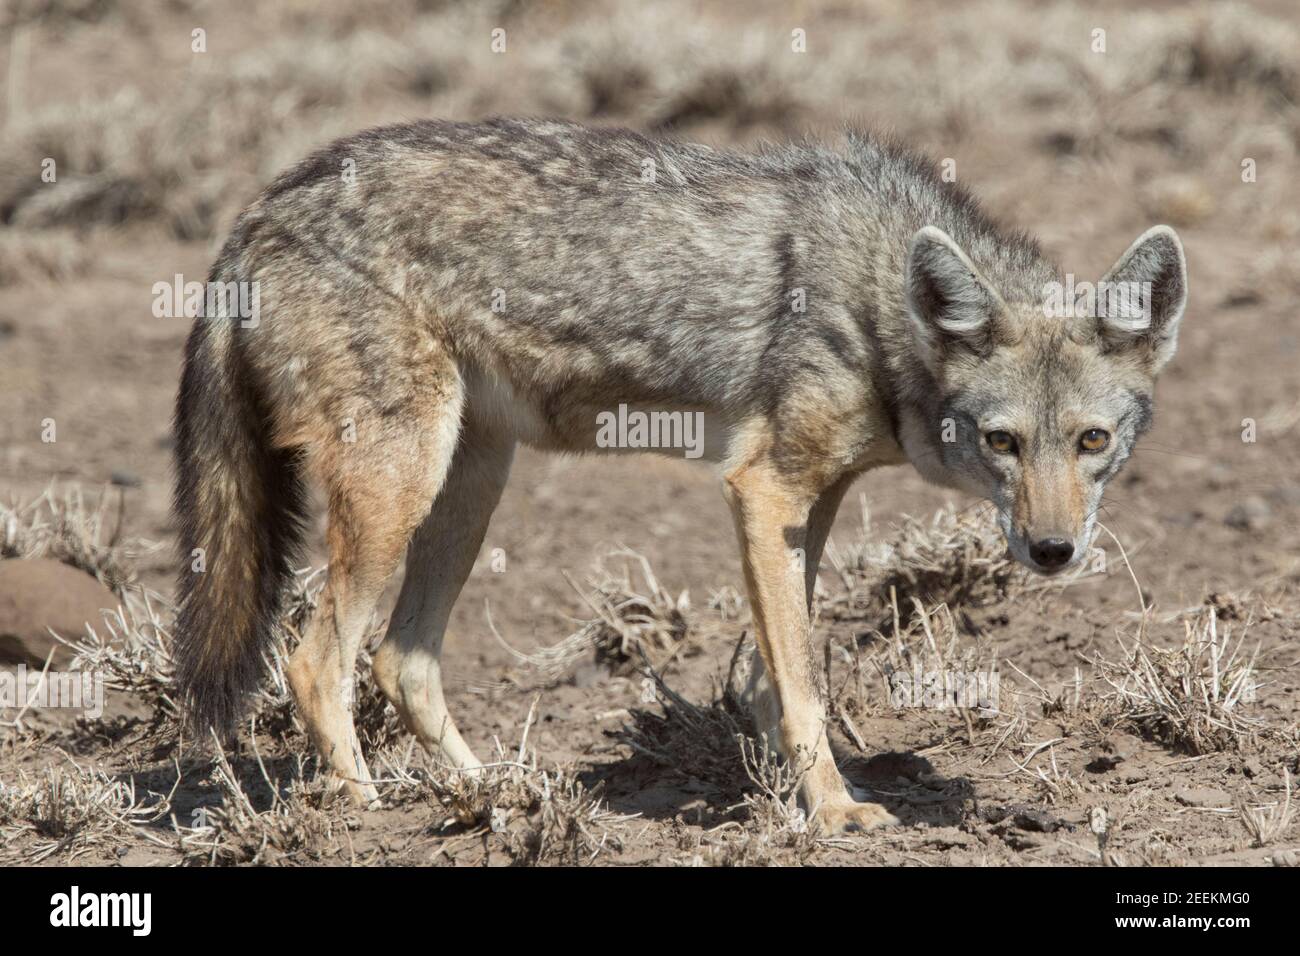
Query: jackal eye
[(1004, 443), (1094, 439)]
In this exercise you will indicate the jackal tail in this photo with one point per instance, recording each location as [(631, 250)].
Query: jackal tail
[(240, 506)]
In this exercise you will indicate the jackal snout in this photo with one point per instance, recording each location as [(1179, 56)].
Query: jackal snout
[(1050, 517)]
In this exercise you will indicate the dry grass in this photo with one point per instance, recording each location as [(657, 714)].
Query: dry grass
[(254, 811), (1194, 696), (1269, 822), (533, 815), (61, 525), (299, 825), (928, 662), (775, 830), (956, 558), (635, 621), (133, 652), (68, 811), (274, 710), (691, 741)]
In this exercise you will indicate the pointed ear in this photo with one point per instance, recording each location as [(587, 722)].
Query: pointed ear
[(1140, 301), (952, 306)]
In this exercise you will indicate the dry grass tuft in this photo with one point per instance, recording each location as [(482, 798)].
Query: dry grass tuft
[(1267, 823), (776, 831), (1193, 696), (932, 644), (133, 652), (62, 526), (69, 812), (927, 662), (692, 741), (535, 816), (957, 558), (299, 826), (566, 823), (636, 620)]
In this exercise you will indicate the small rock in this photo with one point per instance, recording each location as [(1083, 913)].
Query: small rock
[(1038, 821), (1100, 762), (1237, 298), (124, 479), (1251, 514), (1219, 476), (1021, 817), (1251, 767), (1203, 797), (41, 593)]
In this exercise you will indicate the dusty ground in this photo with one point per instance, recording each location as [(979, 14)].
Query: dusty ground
[(158, 146)]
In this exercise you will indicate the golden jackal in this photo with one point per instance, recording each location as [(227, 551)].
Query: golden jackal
[(432, 294)]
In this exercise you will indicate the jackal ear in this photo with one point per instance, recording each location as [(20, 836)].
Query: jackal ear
[(1140, 302), (952, 306)]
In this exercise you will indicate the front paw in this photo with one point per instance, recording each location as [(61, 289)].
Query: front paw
[(847, 816)]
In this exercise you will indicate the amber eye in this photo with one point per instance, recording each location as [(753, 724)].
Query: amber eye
[(1094, 439), (1004, 443)]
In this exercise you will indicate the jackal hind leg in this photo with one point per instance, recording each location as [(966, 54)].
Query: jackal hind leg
[(379, 488), (407, 665)]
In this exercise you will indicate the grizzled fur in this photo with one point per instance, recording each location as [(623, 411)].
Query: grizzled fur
[(434, 293)]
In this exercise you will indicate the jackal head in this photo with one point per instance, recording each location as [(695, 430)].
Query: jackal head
[(1040, 397)]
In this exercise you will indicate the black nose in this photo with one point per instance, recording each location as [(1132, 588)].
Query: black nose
[(1052, 552)]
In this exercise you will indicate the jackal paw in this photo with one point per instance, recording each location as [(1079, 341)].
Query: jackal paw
[(848, 816), (362, 794)]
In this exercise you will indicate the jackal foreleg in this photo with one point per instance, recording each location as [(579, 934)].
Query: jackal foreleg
[(772, 512)]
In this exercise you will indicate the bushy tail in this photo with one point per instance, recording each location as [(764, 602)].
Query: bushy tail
[(240, 507)]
